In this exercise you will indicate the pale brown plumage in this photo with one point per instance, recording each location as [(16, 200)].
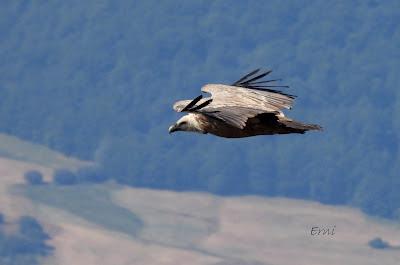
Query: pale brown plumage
[(246, 108)]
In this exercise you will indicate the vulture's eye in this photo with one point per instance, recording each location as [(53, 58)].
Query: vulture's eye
[(183, 123)]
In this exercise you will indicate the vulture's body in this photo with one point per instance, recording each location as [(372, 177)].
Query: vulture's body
[(245, 108)]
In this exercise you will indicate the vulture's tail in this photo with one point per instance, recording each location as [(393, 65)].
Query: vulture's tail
[(299, 127)]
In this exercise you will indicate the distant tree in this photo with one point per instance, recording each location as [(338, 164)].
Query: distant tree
[(64, 177), (31, 228), (1, 219), (26, 245), (33, 177), (378, 243), (34, 236)]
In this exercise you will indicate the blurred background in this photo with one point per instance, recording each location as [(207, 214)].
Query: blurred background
[(90, 175)]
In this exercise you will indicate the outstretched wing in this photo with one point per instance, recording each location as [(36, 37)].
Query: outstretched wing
[(236, 103), (249, 92), (224, 96)]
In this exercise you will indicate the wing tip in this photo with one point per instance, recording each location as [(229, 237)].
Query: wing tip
[(192, 103), (248, 81)]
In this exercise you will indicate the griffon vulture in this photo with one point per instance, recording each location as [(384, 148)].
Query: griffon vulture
[(246, 108)]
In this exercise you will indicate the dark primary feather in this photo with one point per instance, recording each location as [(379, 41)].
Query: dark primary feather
[(258, 77), (192, 103), (250, 75), (261, 86), (244, 77), (202, 105), (248, 81), (267, 81)]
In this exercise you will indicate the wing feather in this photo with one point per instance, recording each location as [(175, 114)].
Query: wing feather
[(232, 96), (234, 116)]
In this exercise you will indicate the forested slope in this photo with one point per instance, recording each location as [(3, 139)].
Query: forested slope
[(97, 79)]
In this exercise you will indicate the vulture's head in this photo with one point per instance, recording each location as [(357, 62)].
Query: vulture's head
[(188, 123)]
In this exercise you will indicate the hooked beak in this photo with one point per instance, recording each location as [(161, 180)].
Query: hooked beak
[(173, 128)]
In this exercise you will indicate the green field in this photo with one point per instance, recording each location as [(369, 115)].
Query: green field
[(90, 202), (14, 148)]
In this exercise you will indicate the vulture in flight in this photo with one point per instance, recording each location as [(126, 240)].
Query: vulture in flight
[(249, 107)]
